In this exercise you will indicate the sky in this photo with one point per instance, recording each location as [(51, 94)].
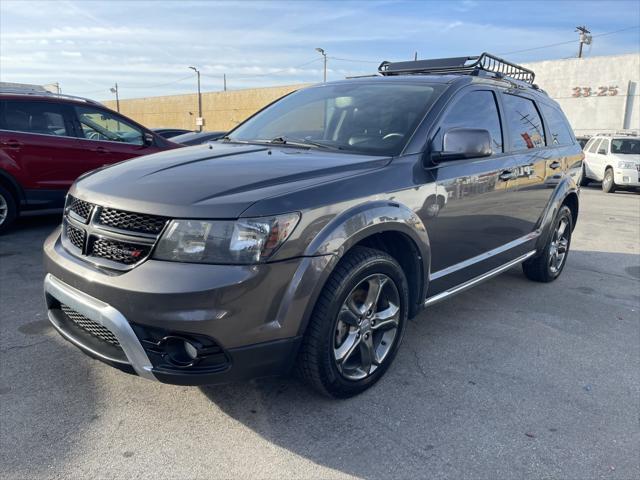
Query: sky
[(147, 46)]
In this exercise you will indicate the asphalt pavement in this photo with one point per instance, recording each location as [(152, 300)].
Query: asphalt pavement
[(510, 380)]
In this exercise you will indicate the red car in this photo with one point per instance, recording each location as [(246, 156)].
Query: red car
[(49, 140)]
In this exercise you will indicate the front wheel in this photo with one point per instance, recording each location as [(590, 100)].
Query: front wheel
[(8, 209), (608, 183), (548, 265), (357, 324)]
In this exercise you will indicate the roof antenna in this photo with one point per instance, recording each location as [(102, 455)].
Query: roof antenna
[(415, 56)]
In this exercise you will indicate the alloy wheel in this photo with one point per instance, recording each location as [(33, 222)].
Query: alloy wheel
[(559, 246), (4, 209), (366, 327)]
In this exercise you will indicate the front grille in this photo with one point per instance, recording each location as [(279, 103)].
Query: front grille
[(75, 236), (107, 237), (120, 252), (91, 327), (81, 208), (135, 222)]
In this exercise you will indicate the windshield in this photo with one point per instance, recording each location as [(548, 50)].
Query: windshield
[(372, 118), (628, 146)]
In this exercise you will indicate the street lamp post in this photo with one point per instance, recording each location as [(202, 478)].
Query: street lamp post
[(324, 54), (199, 120), (114, 89)]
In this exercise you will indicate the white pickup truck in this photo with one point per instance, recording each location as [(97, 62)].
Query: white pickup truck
[(614, 161)]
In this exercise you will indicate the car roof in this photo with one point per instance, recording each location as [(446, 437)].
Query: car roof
[(49, 97)]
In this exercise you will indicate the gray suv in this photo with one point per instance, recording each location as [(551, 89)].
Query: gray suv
[(308, 236)]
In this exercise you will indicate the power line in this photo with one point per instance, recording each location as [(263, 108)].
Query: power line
[(275, 72), (567, 42), (354, 60)]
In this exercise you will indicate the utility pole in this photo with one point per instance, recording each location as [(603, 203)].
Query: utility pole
[(224, 79), (324, 54), (585, 38), (57, 84), (199, 120), (114, 89)]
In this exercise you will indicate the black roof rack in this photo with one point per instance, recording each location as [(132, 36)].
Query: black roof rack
[(461, 65)]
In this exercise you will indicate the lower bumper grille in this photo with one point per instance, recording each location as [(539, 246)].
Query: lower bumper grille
[(91, 327)]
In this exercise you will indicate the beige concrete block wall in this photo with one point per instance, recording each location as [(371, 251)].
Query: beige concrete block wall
[(221, 110)]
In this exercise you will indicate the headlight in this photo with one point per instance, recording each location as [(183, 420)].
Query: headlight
[(624, 165), (242, 241)]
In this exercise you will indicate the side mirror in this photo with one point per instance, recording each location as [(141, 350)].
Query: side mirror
[(148, 139), (463, 143)]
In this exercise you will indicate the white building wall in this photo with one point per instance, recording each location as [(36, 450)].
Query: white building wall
[(598, 94)]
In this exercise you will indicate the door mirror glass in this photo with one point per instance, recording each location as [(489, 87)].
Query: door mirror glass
[(462, 143)]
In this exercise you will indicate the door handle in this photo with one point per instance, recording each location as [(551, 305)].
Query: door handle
[(15, 144), (100, 150), (507, 175), (555, 165)]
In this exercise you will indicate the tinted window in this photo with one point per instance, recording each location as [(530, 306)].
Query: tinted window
[(97, 124), (376, 118), (475, 109), (604, 147), (557, 126), (33, 117), (525, 124), (625, 146), (594, 145)]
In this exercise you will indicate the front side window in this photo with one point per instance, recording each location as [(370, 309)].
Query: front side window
[(475, 109), (525, 124), (374, 118), (43, 118), (97, 124), (625, 146), (557, 126)]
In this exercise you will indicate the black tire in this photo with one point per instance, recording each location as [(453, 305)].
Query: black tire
[(316, 362), (8, 209), (584, 181), (539, 268), (608, 182)]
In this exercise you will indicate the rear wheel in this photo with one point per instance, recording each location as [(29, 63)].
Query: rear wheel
[(584, 181), (357, 324), (8, 209), (548, 265), (608, 183)]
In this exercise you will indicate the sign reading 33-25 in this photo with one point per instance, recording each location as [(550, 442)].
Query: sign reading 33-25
[(603, 91)]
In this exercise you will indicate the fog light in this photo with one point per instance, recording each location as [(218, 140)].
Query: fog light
[(180, 351), (190, 350)]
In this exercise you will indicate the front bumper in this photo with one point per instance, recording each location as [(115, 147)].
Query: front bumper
[(251, 314), (627, 177)]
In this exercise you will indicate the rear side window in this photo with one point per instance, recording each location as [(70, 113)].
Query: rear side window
[(43, 118), (475, 109), (594, 146), (525, 124), (604, 147), (557, 126)]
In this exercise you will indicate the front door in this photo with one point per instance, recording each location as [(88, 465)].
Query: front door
[(475, 217), (108, 137)]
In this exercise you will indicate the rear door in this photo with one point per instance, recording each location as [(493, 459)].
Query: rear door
[(538, 168), (591, 160), (474, 217), (38, 136), (109, 137)]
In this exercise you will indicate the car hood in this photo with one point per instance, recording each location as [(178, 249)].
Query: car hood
[(216, 180)]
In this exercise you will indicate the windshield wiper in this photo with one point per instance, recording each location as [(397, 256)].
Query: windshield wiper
[(303, 142)]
